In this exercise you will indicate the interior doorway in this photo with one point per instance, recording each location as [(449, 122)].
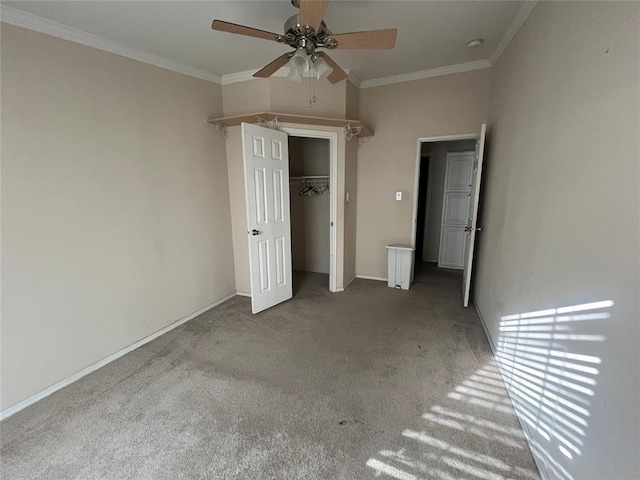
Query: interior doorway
[(443, 181), (460, 200), (423, 205), (311, 209), (265, 154)]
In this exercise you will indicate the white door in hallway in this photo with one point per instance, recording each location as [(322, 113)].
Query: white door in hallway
[(455, 209), (266, 170), (472, 224)]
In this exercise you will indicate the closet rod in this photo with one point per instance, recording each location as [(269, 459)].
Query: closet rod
[(311, 177)]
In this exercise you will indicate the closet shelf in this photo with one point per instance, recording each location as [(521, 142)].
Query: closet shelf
[(291, 118), (309, 177)]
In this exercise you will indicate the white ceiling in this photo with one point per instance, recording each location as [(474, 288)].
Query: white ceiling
[(431, 34)]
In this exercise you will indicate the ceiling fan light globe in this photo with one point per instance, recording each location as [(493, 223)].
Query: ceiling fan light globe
[(321, 67), (298, 65), (294, 76), (301, 58), (297, 68)]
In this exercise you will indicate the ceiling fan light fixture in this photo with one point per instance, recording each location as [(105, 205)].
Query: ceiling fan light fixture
[(306, 32), (298, 65), (321, 67), (294, 75)]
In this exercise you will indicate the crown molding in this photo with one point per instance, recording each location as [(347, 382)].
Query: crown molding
[(238, 77), (282, 72), (353, 78), (19, 18), (523, 13), (432, 72), (23, 19)]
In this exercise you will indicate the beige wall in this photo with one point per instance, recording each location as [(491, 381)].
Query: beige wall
[(237, 200), (252, 96), (317, 208), (290, 97), (296, 166), (350, 210), (281, 95), (400, 114), (352, 110), (560, 217), (115, 207), (351, 187), (315, 156)]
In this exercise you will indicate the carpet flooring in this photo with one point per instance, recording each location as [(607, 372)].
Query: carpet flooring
[(371, 382)]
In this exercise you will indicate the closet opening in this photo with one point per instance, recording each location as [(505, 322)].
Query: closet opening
[(311, 203)]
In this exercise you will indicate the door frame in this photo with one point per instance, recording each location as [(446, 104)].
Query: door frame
[(333, 192), (416, 182)]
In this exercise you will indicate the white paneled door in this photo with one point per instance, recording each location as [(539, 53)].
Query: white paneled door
[(455, 209), (266, 169), (472, 224)]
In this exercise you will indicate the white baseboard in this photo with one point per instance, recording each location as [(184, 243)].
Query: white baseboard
[(544, 474), (7, 412), (243, 294), (342, 289), (484, 326), (368, 277)]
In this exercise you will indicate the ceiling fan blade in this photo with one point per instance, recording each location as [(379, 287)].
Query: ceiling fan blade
[(242, 30), (274, 66), (312, 12), (372, 39), (338, 73)]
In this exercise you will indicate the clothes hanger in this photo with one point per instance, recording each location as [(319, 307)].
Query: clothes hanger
[(305, 190)]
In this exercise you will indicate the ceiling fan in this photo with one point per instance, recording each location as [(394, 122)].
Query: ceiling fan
[(307, 32)]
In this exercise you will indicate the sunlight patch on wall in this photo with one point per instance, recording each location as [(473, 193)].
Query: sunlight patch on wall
[(547, 360)]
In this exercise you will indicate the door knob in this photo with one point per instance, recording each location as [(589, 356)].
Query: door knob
[(478, 229), (255, 232)]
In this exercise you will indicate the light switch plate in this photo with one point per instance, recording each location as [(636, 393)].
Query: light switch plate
[(398, 195)]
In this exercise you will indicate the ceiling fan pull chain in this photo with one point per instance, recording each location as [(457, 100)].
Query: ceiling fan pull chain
[(310, 103), (315, 82)]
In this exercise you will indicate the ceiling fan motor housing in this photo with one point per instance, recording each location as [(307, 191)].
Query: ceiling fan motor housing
[(304, 36)]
